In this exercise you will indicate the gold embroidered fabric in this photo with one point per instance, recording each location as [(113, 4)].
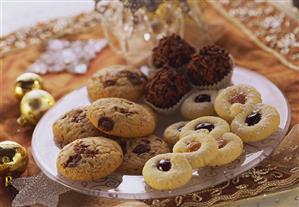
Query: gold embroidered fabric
[(30, 36), (269, 27)]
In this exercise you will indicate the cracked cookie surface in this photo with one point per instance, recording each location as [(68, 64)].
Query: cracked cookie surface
[(89, 159), (138, 151), (116, 81), (122, 118), (73, 125)]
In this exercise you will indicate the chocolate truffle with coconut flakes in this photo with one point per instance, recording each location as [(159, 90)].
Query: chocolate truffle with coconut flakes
[(166, 88), (211, 66), (173, 51)]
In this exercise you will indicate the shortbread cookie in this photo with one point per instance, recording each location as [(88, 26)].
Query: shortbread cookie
[(172, 133), (198, 104), (73, 125), (199, 149), (138, 151), (211, 125), (256, 123), (121, 118), (234, 99), (89, 158), (230, 147), (116, 81), (167, 171)]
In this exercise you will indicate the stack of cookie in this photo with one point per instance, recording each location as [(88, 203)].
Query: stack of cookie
[(211, 140), (113, 133)]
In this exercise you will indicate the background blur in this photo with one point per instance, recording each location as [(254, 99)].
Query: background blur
[(17, 13)]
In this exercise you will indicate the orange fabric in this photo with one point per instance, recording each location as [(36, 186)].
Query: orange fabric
[(245, 52)]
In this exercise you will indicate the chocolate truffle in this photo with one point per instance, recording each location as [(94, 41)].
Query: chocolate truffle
[(173, 51), (209, 66), (166, 87)]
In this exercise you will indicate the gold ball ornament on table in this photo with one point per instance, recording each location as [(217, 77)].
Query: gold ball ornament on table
[(33, 105), (13, 160), (27, 82)]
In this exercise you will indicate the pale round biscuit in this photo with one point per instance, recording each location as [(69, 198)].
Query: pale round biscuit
[(199, 149), (90, 158), (73, 125), (264, 125), (234, 99), (121, 118), (172, 133), (121, 81), (215, 126), (230, 147), (174, 176), (198, 104), (138, 151)]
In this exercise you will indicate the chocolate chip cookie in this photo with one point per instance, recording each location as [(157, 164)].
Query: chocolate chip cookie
[(138, 151), (73, 125), (89, 159), (121, 118), (116, 81)]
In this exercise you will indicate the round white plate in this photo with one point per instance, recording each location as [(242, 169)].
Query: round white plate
[(133, 187)]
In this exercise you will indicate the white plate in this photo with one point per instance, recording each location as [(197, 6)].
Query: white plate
[(133, 187)]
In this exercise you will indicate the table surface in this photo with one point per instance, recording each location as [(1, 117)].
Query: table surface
[(245, 52)]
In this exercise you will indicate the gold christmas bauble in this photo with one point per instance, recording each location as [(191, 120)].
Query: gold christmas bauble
[(13, 158), (27, 82), (33, 105)]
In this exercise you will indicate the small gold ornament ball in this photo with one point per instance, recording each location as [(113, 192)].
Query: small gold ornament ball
[(27, 82), (13, 158), (33, 105)]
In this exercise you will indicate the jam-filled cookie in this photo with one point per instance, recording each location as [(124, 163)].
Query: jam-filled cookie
[(199, 149), (116, 81), (121, 118), (211, 125), (256, 123), (172, 133), (89, 158), (167, 171), (234, 99), (230, 147), (73, 125), (198, 104), (138, 151)]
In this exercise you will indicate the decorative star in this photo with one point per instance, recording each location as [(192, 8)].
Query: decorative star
[(37, 190)]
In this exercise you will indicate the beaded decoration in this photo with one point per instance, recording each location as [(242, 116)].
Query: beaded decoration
[(269, 27)]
